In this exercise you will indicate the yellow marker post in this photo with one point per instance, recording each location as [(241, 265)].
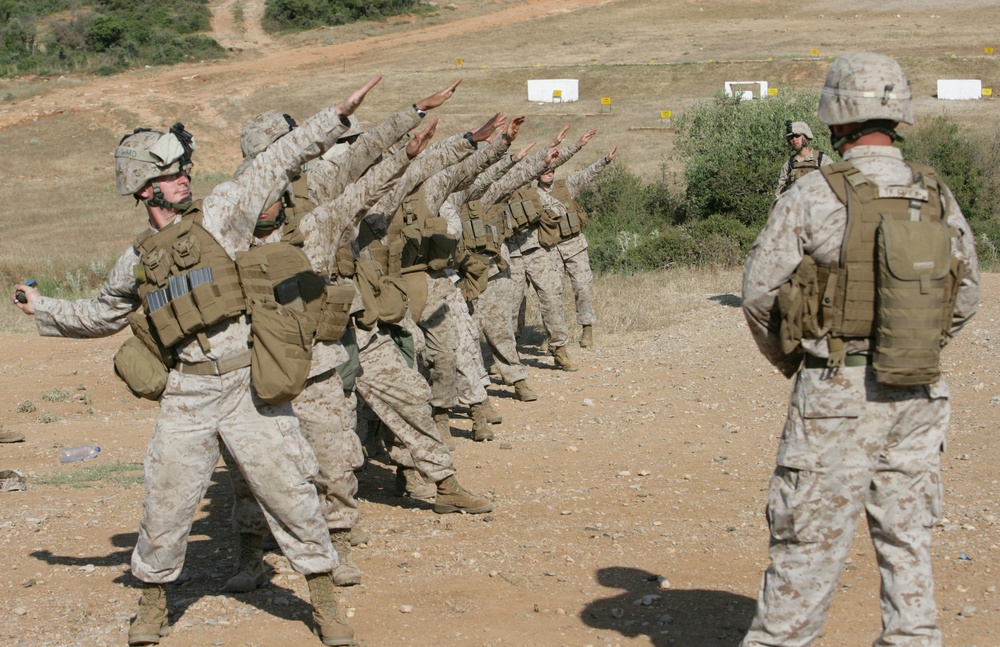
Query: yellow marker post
[(606, 101), (814, 52), (557, 94), (459, 62), (664, 117), (772, 92), (987, 92)]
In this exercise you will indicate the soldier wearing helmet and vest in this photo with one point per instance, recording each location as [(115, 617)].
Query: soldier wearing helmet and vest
[(862, 274), (179, 288), (799, 135)]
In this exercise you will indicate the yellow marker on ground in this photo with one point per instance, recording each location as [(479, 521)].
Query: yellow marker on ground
[(665, 114), (814, 52), (771, 92), (988, 50), (987, 92), (605, 101), (459, 62)]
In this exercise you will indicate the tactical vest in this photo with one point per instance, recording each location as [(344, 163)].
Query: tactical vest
[(524, 209), (427, 243), (187, 281), (485, 230), (558, 227), (798, 168), (895, 280)]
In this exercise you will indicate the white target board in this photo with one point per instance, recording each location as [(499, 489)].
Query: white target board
[(959, 89), (549, 90), (746, 90)]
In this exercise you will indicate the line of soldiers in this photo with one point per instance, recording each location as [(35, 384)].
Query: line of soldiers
[(342, 275)]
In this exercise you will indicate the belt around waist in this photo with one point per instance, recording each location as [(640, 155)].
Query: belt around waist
[(811, 361), (227, 364)]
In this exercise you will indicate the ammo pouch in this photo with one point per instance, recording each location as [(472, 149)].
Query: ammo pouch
[(524, 209), (475, 270), (281, 352), (142, 362), (483, 232), (336, 312), (913, 305), (428, 245), (798, 303)]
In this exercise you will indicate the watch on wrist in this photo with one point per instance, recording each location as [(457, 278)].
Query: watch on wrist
[(420, 113), (468, 136)]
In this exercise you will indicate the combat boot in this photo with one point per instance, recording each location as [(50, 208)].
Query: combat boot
[(410, 483), (329, 622), (492, 415), (523, 392), (359, 536), (563, 360), (587, 338), (252, 573), (150, 622), (348, 573), (443, 423), (452, 497), (480, 425)]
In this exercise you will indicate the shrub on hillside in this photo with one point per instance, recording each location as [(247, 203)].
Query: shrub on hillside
[(732, 151), (308, 14)]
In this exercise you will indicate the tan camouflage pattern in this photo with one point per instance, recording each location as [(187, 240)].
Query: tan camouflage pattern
[(864, 86), (460, 177), (434, 159), (798, 128), (571, 255), (131, 175), (536, 265), (400, 397), (196, 411), (491, 312), (471, 378), (441, 336), (849, 443), (786, 170), (262, 131)]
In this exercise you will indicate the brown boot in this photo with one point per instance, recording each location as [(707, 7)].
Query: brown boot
[(150, 622), (359, 536), (480, 425), (563, 360), (587, 338), (409, 483), (252, 573), (452, 497), (523, 392), (329, 622), (348, 573), (492, 415), (443, 422)]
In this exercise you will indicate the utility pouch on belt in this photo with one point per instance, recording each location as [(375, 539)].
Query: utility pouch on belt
[(798, 301), (142, 362), (336, 312), (475, 270), (384, 297), (281, 352)]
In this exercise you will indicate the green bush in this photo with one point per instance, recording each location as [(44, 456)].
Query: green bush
[(733, 151), (282, 15)]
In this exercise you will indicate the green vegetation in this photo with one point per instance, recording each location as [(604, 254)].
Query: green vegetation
[(115, 473), (298, 15), (57, 394), (25, 406), (59, 36), (731, 152)]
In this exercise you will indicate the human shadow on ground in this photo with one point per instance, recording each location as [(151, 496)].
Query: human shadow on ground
[(731, 300), (211, 558), (667, 616)]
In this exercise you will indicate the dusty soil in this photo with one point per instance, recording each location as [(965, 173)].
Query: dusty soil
[(651, 461)]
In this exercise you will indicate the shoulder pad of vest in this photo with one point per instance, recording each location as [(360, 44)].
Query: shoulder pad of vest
[(193, 211), (290, 232)]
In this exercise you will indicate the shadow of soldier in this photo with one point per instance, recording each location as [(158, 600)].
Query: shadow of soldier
[(728, 300), (210, 559), (679, 618)]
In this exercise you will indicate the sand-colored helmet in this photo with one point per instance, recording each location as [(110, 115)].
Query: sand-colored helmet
[(262, 131), (865, 87), (148, 154), (793, 128)]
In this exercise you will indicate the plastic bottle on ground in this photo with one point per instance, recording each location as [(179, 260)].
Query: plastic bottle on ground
[(81, 453)]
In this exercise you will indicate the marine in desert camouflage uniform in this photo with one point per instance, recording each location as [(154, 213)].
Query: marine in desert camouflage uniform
[(798, 134), (570, 254), (850, 443), (199, 407)]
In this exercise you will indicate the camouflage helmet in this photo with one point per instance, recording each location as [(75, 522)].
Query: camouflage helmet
[(262, 131), (793, 128), (865, 87), (148, 154)]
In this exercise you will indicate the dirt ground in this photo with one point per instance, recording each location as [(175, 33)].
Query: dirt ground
[(643, 474)]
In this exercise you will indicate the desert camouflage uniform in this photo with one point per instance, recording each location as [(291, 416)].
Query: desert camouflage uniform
[(849, 443), (529, 260), (325, 411), (197, 410), (785, 180), (571, 255)]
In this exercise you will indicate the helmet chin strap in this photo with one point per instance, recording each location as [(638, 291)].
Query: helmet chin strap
[(158, 201), (271, 225), (874, 126)]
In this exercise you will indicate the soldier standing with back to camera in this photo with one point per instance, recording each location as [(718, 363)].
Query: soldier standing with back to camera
[(869, 411), (798, 134)]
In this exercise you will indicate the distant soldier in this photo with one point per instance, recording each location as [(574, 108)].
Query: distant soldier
[(862, 274), (798, 134)]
